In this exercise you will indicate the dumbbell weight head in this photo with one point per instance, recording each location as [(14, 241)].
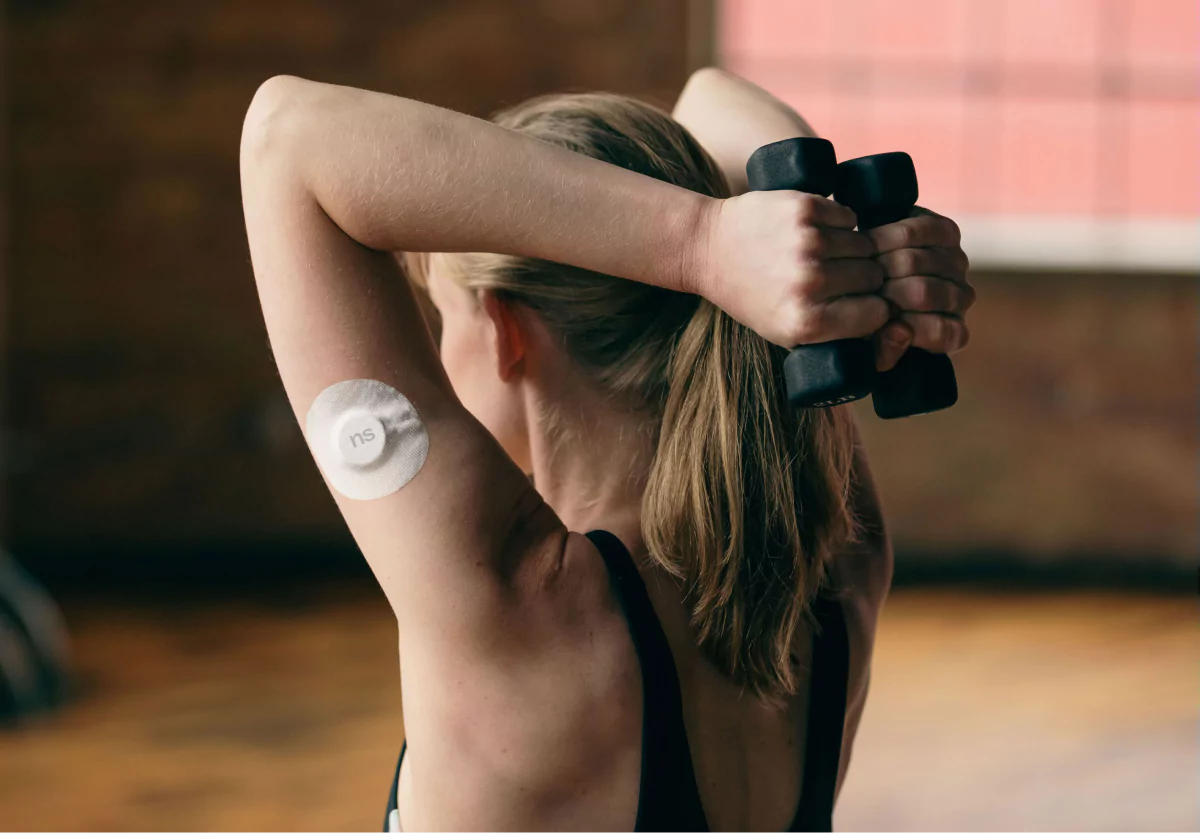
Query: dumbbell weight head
[(880, 189), (920, 383), (805, 164), (830, 373)]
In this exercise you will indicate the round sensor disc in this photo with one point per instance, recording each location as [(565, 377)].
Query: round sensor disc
[(359, 437)]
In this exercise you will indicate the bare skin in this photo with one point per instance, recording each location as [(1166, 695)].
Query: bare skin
[(521, 689)]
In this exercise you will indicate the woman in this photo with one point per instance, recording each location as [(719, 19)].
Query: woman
[(692, 660)]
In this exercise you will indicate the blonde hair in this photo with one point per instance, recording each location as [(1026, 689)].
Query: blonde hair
[(745, 496)]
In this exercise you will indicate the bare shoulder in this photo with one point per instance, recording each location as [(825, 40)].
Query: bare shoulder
[(570, 613), (546, 724)]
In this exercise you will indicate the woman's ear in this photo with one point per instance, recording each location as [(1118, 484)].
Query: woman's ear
[(508, 337)]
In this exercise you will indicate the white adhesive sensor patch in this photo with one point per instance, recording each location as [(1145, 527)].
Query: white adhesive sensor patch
[(366, 437)]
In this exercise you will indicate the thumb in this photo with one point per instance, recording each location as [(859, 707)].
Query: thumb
[(891, 343)]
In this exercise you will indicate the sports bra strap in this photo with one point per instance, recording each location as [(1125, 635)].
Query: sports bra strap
[(668, 797)]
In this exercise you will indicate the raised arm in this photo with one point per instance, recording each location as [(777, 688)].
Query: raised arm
[(335, 179), (731, 118), (395, 174)]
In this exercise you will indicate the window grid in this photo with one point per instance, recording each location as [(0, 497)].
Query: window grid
[(1077, 108)]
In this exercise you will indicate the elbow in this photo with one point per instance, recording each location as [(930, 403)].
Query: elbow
[(271, 120), (698, 85), (708, 76)]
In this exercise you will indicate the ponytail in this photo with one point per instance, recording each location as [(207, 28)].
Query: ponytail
[(745, 497)]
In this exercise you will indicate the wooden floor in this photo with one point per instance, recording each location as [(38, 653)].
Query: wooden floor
[(1013, 711)]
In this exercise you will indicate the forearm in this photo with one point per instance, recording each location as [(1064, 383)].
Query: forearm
[(731, 118), (399, 175)]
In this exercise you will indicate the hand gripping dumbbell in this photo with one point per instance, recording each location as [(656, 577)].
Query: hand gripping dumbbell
[(880, 189)]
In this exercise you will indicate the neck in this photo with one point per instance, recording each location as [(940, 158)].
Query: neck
[(590, 463)]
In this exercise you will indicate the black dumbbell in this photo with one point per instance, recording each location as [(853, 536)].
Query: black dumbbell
[(833, 372), (882, 189)]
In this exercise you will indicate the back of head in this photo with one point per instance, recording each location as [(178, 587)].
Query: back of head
[(745, 496)]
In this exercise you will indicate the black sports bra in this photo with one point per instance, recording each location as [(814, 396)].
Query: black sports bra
[(668, 796)]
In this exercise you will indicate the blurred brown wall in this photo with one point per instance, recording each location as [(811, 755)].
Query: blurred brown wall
[(4, 267), (146, 401), (145, 405), (1075, 436)]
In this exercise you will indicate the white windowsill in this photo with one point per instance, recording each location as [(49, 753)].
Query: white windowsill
[(1032, 242)]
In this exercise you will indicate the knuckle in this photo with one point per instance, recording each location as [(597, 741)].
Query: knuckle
[(806, 209), (965, 335), (891, 264), (921, 294), (807, 284), (905, 235), (907, 262), (936, 295), (943, 331), (813, 244), (800, 289), (927, 330), (951, 230)]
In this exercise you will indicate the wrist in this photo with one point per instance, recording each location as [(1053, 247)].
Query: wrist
[(692, 263)]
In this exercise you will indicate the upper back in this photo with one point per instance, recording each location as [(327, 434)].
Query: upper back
[(560, 742)]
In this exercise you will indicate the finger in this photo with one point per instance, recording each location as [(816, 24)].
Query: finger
[(851, 316), (890, 344), (835, 243), (939, 262), (923, 293), (935, 332), (847, 276), (819, 211), (917, 231)]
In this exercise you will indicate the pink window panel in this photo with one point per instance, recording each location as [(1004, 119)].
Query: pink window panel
[(1163, 140), (1162, 35)]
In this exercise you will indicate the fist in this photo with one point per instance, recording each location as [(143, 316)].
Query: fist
[(925, 285), (792, 267)]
